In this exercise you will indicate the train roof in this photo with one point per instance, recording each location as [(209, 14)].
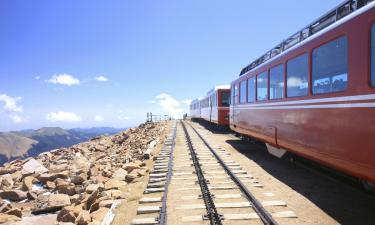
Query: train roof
[(339, 15)]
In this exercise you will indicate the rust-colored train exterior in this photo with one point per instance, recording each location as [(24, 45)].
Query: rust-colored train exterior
[(317, 99), (314, 94)]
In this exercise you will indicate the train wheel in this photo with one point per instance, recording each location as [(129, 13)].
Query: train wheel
[(368, 186)]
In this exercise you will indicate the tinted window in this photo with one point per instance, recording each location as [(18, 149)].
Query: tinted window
[(297, 76), (232, 94), (243, 91), (262, 86), (277, 82), (225, 99), (373, 55), (330, 67), (236, 93), (251, 90)]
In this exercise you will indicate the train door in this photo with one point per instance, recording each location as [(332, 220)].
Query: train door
[(234, 102)]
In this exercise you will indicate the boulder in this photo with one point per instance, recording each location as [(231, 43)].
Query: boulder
[(50, 203), (75, 198), (33, 167), (78, 179), (13, 195), (119, 174), (99, 214), (27, 183), (50, 185), (66, 215), (5, 218), (68, 189), (10, 170), (114, 184), (91, 188), (131, 166), (15, 212), (53, 176), (91, 199), (106, 203), (31, 195), (4, 206), (6, 181), (130, 177), (59, 199), (83, 218), (115, 194)]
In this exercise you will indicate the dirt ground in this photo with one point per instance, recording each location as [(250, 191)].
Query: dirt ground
[(314, 197)]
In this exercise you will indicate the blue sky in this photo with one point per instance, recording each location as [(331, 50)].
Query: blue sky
[(106, 63)]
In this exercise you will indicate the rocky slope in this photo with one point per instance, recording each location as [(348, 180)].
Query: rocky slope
[(77, 185)]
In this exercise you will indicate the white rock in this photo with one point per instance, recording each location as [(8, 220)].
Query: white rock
[(33, 166)]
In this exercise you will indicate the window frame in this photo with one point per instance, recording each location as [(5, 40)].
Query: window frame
[(311, 66), (372, 54), (254, 91), (267, 83), (284, 81), (309, 89), (240, 92)]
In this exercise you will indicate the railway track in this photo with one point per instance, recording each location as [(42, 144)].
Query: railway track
[(199, 183)]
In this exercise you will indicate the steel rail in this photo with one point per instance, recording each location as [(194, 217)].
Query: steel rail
[(163, 210), (265, 216), (212, 214)]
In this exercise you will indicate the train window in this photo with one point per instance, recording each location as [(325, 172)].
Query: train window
[(251, 90), (232, 95), (373, 55), (243, 92), (297, 76), (262, 86), (225, 99), (277, 82), (330, 67), (236, 94)]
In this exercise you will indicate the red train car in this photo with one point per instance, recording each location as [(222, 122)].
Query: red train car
[(214, 107), (314, 94)]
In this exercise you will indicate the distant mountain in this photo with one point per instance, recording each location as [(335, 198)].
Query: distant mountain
[(97, 130), (25, 143)]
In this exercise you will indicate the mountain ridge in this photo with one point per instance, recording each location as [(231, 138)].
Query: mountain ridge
[(31, 142)]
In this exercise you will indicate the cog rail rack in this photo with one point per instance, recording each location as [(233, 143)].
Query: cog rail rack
[(257, 206), (196, 182), (341, 11)]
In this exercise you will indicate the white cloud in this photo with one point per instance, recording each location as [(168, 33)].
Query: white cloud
[(11, 103), (37, 77), (294, 82), (186, 101), (62, 116), (101, 78), (121, 117), (63, 79), (170, 105), (16, 118), (98, 118)]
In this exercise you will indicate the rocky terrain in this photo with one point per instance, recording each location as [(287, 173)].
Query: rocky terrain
[(79, 184)]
